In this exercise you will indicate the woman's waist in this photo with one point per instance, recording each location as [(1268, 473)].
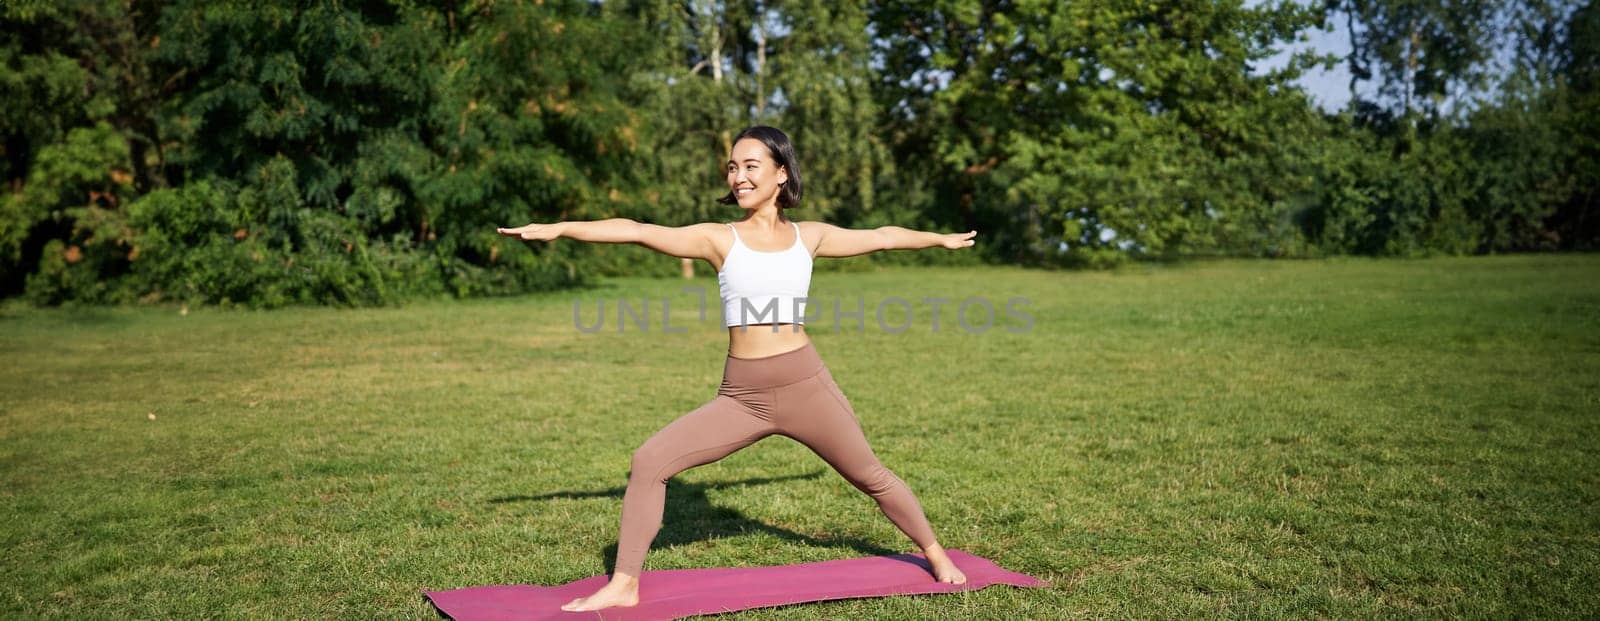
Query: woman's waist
[(760, 340), (760, 358)]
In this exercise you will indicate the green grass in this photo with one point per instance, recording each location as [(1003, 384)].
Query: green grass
[(1346, 438)]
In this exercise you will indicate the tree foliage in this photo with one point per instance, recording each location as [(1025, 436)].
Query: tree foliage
[(285, 152)]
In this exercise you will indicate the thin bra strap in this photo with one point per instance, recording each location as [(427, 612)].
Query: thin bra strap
[(792, 223)]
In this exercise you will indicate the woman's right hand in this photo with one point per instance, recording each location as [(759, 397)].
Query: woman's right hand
[(537, 232)]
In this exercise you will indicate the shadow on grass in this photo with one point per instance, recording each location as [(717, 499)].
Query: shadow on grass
[(690, 517)]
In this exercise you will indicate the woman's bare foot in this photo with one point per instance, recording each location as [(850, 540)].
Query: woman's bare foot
[(622, 590), (944, 569)]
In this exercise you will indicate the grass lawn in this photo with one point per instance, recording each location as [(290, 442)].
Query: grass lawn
[(1349, 438)]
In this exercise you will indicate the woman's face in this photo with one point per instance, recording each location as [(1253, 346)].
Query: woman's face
[(753, 177)]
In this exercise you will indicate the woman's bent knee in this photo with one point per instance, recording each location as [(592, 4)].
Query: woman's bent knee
[(646, 466)]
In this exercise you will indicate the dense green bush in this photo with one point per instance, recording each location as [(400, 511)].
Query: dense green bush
[(286, 152)]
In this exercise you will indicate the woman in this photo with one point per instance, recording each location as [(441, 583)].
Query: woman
[(773, 381)]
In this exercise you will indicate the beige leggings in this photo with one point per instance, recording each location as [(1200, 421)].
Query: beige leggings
[(789, 394)]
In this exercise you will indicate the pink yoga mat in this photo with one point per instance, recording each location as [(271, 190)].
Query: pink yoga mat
[(677, 593)]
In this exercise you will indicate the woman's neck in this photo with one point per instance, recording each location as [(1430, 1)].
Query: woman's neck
[(767, 217)]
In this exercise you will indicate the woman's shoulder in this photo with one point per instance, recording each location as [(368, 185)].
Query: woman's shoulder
[(813, 228), (710, 228)]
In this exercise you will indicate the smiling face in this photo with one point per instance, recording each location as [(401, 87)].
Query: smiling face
[(753, 177)]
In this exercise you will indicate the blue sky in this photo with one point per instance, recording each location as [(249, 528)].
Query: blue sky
[(1330, 89)]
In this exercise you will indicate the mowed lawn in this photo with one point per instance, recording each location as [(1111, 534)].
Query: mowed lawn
[(1349, 438)]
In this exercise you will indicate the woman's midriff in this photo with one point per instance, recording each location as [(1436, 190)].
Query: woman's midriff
[(762, 340)]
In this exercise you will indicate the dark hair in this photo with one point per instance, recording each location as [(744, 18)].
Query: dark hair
[(783, 153)]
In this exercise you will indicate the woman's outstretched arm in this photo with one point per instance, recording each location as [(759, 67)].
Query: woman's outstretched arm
[(689, 242), (841, 242)]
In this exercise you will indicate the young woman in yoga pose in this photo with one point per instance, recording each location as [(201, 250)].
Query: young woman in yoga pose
[(773, 381)]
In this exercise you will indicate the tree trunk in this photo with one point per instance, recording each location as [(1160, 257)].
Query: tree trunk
[(761, 63)]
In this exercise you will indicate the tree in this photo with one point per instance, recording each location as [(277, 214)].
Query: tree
[(1083, 132), (1422, 53)]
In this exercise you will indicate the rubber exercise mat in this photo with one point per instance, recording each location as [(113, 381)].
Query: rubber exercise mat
[(677, 593)]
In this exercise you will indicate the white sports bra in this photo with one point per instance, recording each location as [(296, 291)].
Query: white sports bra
[(765, 287)]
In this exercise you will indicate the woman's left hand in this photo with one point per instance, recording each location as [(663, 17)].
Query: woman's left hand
[(958, 240)]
